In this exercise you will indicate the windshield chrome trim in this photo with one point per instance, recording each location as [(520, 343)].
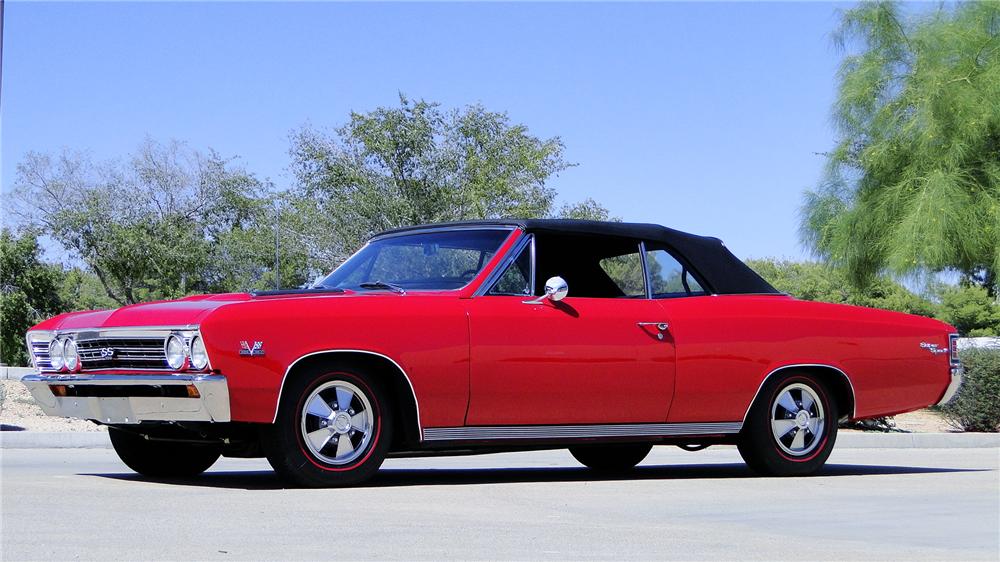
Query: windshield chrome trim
[(509, 228)]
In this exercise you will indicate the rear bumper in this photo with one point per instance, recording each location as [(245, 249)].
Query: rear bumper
[(956, 381), (126, 399)]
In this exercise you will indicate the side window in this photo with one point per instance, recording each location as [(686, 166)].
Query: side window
[(626, 272), (668, 278), (516, 280), (602, 267)]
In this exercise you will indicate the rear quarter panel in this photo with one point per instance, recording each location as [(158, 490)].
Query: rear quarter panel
[(727, 345)]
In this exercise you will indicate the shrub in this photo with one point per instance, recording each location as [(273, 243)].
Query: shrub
[(977, 405)]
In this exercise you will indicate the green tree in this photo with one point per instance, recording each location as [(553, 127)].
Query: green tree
[(970, 309), (588, 209), (28, 292), (914, 181), (415, 163), (820, 282), (167, 222)]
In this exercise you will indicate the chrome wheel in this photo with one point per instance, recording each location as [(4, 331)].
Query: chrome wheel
[(337, 422), (797, 419)]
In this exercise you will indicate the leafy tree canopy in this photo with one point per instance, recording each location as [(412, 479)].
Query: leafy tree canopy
[(418, 163), (166, 222), (28, 292), (914, 181), (966, 306)]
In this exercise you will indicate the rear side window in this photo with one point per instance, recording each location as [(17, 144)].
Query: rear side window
[(626, 272), (669, 278)]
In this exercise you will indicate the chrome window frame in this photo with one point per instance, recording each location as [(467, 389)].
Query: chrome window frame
[(645, 270), (527, 240)]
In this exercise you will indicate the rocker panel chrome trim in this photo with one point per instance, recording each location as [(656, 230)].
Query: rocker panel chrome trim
[(491, 433)]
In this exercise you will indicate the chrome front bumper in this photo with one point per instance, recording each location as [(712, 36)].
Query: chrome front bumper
[(956, 381), (124, 399)]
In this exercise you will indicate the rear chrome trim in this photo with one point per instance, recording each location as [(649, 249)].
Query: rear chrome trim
[(212, 405), (494, 433), (957, 373)]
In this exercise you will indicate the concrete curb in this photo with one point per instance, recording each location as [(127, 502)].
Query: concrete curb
[(54, 440), (845, 440), (14, 373), (852, 440)]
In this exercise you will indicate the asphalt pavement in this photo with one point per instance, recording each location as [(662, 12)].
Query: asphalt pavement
[(83, 504)]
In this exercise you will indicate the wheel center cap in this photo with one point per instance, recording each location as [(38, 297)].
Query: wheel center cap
[(802, 418), (342, 422)]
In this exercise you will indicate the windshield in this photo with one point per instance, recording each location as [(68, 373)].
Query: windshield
[(429, 261)]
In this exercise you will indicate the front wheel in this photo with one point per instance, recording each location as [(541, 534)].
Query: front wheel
[(160, 458), (791, 427), (333, 429), (616, 457)]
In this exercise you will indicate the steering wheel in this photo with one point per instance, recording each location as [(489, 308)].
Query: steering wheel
[(469, 273)]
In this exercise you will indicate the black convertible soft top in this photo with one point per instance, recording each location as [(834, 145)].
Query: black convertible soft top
[(708, 256)]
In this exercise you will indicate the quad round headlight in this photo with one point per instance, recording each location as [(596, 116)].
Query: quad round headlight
[(57, 354), (71, 356), (175, 351), (199, 355)]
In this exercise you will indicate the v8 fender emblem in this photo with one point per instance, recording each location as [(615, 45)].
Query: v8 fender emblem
[(251, 350)]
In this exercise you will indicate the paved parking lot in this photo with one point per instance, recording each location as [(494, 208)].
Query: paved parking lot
[(869, 503)]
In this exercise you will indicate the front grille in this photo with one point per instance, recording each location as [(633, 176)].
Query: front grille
[(122, 353), (110, 349)]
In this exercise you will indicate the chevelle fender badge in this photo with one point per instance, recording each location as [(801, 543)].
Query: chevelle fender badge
[(932, 347), (251, 350)]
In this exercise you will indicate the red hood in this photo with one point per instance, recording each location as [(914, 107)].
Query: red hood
[(190, 310)]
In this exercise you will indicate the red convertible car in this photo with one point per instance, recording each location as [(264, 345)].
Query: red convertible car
[(604, 338)]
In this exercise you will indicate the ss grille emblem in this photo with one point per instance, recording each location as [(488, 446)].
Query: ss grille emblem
[(107, 352), (256, 349)]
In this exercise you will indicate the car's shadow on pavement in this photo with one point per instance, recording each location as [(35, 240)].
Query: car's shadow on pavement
[(390, 477)]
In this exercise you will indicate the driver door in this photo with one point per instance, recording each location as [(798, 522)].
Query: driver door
[(593, 358)]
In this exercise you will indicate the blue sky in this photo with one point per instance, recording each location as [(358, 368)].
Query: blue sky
[(703, 117)]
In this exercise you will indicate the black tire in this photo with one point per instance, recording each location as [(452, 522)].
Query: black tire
[(299, 463), (768, 455), (611, 457), (163, 459)]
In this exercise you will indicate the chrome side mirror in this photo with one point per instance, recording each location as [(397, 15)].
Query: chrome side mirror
[(556, 290)]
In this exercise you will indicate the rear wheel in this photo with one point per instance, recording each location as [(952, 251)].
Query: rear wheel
[(333, 429), (791, 427), (614, 457), (163, 459)]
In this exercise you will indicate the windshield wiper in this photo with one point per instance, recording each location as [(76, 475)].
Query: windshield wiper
[(383, 285)]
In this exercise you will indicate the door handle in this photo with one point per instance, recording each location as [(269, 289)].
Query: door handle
[(660, 327)]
